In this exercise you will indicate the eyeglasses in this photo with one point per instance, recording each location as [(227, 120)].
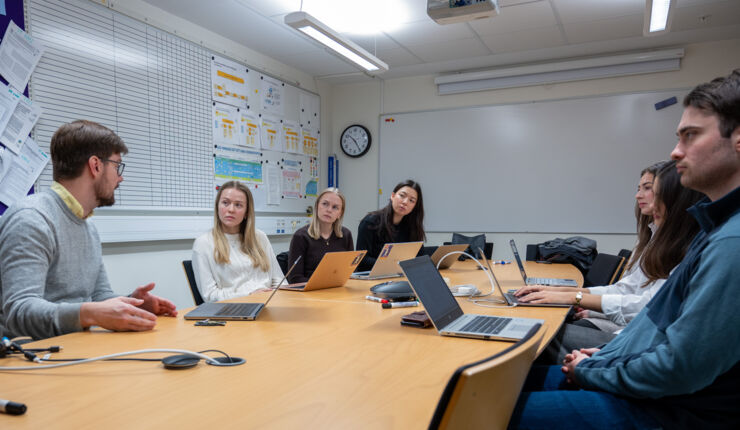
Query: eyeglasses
[(119, 165)]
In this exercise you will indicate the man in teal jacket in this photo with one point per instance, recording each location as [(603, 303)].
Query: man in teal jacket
[(677, 364)]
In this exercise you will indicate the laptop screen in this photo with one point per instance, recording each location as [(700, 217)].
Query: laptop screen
[(518, 260), (431, 290)]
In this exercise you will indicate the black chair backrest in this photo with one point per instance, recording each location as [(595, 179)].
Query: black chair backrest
[(282, 259), (603, 270), (487, 250), (187, 265)]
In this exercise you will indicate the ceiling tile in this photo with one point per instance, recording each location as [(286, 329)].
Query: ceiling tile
[(701, 16), (450, 50), (381, 42), (320, 64), (427, 32), (524, 40), (604, 29), (515, 18), (588, 10), (398, 57), (269, 8)]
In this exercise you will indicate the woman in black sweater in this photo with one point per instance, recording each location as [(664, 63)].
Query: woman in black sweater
[(324, 234), (402, 220)]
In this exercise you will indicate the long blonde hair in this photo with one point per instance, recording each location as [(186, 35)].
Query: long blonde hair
[(247, 237), (314, 229)]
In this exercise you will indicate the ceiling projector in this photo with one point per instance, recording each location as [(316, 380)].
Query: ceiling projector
[(454, 11)]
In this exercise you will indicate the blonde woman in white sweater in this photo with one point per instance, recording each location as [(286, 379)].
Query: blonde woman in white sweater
[(234, 259)]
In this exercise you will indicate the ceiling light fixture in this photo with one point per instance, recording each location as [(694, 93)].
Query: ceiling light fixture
[(563, 71), (658, 16), (329, 38)]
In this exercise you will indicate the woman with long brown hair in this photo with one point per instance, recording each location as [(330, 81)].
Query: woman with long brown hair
[(234, 258), (401, 220)]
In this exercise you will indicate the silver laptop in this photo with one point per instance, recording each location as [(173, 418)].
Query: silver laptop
[(386, 266), (443, 250), (509, 296), (447, 316), (234, 311), (539, 281), (333, 271)]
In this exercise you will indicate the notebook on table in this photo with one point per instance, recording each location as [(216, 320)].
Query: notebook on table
[(234, 311), (509, 296), (386, 266), (539, 281), (444, 250), (447, 316), (333, 270)]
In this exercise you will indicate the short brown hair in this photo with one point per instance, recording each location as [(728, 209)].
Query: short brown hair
[(720, 97), (75, 142)]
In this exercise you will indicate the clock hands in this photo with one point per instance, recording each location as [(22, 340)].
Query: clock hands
[(356, 144)]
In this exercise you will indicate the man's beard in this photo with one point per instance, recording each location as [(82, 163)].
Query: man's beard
[(104, 200)]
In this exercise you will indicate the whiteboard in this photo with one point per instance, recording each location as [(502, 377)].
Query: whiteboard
[(550, 167), (154, 90)]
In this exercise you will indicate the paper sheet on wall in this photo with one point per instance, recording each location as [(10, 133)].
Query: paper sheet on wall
[(270, 134), (272, 96), (291, 131), (291, 179), (8, 101), (225, 124), (21, 122), (249, 129), (273, 184), (237, 164), (309, 142), (229, 82), (19, 55), (22, 171)]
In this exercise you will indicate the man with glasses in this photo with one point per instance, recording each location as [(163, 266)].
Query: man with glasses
[(52, 277)]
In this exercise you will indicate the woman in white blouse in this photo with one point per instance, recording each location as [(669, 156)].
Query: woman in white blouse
[(234, 258), (654, 260)]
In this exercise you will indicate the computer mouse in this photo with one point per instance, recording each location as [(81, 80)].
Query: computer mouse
[(393, 289)]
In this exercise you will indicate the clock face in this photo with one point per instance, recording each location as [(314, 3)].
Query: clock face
[(355, 140)]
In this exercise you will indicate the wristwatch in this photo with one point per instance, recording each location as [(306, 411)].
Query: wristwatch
[(579, 296)]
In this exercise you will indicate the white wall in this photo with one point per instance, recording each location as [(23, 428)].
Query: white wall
[(363, 103)]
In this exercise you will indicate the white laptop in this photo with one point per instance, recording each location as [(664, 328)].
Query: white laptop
[(386, 266), (557, 282), (447, 316)]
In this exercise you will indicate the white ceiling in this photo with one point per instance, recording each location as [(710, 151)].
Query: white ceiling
[(525, 31)]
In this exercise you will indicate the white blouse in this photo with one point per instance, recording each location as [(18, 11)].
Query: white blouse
[(237, 278)]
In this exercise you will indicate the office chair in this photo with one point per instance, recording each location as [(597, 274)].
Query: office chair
[(626, 254), (483, 394), (487, 250), (282, 260), (187, 265), (604, 270)]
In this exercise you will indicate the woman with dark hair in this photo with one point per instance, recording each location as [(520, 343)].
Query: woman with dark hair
[(621, 302), (402, 220)]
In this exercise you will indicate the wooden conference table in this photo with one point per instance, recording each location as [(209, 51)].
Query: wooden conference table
[(321, 359)]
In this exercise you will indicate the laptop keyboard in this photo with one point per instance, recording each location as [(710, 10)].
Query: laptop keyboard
[(238, 309), (545, 281), (486, 324)]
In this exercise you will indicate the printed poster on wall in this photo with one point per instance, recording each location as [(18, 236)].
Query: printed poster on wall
[(231, 163), (19, 55), (291, 137), (309, 142), (224, 125), (272, 96), (249, 129), (270, 134), (291, 179), (228, 81)]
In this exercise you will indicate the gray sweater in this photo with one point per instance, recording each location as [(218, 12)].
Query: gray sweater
[(50, 263)]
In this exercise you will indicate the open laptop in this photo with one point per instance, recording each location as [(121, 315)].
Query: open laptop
[(386, 266), (447, 316), (539, 281), (510, 298), (333, 270), (443, 250), (234, 311)]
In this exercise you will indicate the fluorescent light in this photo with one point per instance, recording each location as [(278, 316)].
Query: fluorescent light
[(348, 50), (563, 71), (658, 16)]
